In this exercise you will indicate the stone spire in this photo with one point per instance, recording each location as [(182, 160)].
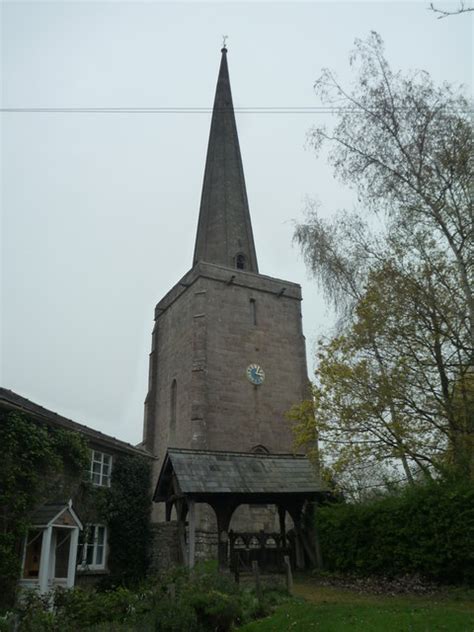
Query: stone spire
[(224, 234)]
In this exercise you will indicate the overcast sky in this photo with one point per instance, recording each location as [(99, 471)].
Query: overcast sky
[(99, 210)]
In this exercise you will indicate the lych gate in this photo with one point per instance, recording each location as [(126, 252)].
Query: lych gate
[(226, 480), (268, 549)]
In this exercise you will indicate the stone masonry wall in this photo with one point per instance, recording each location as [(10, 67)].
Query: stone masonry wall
[(209, 328), (164, 553)]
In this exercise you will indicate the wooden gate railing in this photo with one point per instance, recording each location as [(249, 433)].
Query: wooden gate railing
[(268, 549)]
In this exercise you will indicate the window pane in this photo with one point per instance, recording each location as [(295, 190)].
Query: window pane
[(96, 479), (80, 553), (99, 558), (63, 539), (90, 554), (100, 535)]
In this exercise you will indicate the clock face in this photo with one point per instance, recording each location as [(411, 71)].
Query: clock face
[(255, 374)]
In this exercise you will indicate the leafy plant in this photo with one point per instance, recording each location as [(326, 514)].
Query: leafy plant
[(37, 462), (126, 508), (393, 394), (426, 530), (198, 601)]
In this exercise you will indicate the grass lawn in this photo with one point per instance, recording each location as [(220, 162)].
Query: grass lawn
[(329, 609)]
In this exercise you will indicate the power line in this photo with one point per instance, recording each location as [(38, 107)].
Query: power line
[(175, 110), (189, 110)]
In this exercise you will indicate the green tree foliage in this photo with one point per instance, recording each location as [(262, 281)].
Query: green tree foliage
[(395, 384), (38, 463), (426, 530), (126, 510)]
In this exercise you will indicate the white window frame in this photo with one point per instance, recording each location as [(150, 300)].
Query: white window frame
[(100, 458), (91, 540)]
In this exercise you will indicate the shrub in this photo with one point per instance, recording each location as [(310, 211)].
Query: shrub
[(82, 608), (426, 530), (201, 601), (128, 502), (175, 615), (34, 613), (216, 610)]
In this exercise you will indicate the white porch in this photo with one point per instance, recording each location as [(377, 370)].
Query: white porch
[(50, 548)]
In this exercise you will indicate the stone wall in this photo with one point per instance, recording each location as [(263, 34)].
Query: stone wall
[(164, 553), (209, 328), (206, 545)]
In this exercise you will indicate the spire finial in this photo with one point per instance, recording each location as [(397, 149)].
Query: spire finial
[(224, 43)]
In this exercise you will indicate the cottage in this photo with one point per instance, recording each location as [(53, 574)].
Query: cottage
[(62, 548)]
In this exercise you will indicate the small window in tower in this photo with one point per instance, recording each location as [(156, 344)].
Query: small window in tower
[(240, 261), (253, 311), (174, 398)]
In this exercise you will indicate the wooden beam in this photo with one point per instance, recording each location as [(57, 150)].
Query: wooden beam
[(223, 510), (192, 532), (181, 515), (281, 517)]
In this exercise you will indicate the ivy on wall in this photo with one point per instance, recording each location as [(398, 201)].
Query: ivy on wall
[(37, 463), (126, 508), (40, 463)]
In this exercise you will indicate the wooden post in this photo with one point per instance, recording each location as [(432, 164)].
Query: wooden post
[(317, 544), (192, 532), (224, 513), (43, 575), (289, 575), (299, 550), (295, 513), (181, 515), (256, 575), (281, 516), (71, 567)]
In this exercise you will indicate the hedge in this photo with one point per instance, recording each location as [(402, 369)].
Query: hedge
[(426, 530)]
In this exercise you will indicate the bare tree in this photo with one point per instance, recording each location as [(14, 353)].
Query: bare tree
[(442, 13), (406, 146), (396, 381)]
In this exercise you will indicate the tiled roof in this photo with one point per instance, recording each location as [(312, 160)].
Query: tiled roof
[(46, 513), (202, 472), (13, 401)]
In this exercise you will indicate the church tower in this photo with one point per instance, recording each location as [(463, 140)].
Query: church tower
[(228, 353)]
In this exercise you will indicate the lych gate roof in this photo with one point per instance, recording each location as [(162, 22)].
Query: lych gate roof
[(206, 472)]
